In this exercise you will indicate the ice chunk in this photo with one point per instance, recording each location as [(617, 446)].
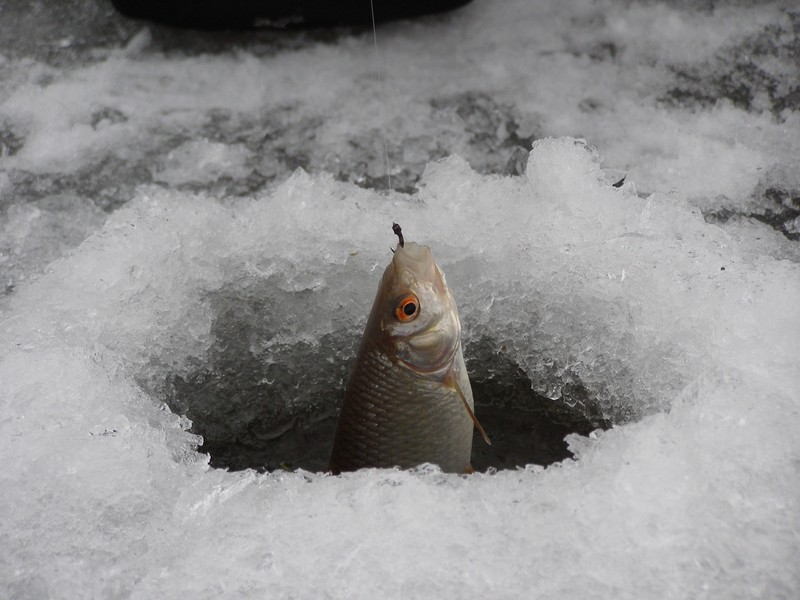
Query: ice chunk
[(202, 162), (32, 234)]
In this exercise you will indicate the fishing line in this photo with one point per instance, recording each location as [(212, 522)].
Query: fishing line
[(381, 98)]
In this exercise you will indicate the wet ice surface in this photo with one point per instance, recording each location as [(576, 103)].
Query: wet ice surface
[(198, 274)]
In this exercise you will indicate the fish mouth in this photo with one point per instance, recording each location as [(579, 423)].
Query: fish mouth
[(415, 263)]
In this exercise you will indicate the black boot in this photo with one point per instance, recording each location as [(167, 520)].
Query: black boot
[(248, 14)]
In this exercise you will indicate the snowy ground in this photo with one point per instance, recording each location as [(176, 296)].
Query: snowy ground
[(191, 231)]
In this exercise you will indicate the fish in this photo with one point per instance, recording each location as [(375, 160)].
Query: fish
[(408, 400)]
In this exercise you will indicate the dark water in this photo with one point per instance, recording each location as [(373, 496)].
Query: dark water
[(245, 426)]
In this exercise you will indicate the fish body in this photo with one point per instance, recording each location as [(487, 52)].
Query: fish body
[(408, 400)]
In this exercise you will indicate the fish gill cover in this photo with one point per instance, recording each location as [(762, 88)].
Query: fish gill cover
[(199, 255)]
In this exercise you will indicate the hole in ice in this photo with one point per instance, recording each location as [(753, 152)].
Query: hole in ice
[(263, 403), (525, 427)]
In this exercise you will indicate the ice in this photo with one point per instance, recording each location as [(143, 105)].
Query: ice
[(698, 495), (202, 162), (32, 234), (191, 233)]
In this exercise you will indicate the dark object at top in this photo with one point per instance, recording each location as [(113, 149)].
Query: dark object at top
[(249, 14), (398, 231)]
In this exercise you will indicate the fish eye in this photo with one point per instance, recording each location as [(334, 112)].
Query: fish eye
[(407, 309)]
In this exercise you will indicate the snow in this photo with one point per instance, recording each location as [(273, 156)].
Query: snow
[(196, 236)]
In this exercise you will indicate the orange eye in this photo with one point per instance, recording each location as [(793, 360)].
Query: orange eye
[(407, 309)]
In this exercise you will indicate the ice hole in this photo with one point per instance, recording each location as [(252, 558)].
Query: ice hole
[(278, 409), (524, 427)]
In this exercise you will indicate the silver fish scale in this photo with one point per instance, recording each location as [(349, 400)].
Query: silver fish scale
[(393, 416)]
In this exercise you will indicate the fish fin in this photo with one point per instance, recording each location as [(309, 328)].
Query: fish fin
[(454, 384)]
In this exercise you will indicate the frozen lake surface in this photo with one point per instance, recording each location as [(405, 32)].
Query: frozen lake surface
[(192, 228)]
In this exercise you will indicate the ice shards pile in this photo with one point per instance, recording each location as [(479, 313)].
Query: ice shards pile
[(632, 305)]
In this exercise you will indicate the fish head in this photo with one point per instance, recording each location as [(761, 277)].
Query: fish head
[(418, 315)]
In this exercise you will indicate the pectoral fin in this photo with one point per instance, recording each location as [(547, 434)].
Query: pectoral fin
[(452, 382)]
